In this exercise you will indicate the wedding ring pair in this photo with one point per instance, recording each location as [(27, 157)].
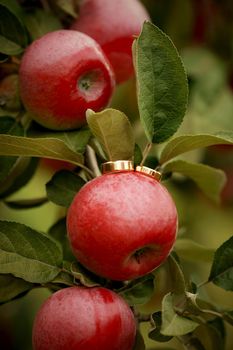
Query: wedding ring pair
[(127, 165)]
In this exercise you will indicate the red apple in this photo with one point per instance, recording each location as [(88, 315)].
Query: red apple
[(79, 318), (113, 24), (62, 74), (122, 225)]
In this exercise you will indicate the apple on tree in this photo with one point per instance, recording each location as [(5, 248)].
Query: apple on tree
[(114, 25), (80, 318), (61, 75), (122, 225)]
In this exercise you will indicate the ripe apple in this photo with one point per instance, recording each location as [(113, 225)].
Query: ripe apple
[(80, 318), (114, 25), (62, 74), (122, 225)]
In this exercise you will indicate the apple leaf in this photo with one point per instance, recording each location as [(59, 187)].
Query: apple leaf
[(8, 47), (193, 251), (67, 6), (58, 231), (11, 127), (26, 203), (172, 323), (162, 84), (185, 143), (63, 186), (138, 291), (176, 276), (76, 140), (28, 254), (39, 22), (19, 176), (114, 132), (139, 342), (205, 337), (221, 272), (210, 180), (38, 147), (80, 274), (11, 287), (155, 333), (62, 280), (228, 317), (137, 155), (12, 26)]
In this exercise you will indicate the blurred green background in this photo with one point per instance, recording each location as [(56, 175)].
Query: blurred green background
[(202, 30)]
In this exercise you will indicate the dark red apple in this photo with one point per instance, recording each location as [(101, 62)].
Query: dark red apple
[(62, 74), (114, 25), (122, 225), (80, 318)]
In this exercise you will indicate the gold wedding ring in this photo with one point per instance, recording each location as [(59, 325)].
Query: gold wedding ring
[(149, 172), (117, 166)]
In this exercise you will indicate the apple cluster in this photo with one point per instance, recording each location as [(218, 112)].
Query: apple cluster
[(120, 225), (67, 71)]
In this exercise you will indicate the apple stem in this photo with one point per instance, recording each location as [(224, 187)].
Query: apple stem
[(92, 161), (145, 153)]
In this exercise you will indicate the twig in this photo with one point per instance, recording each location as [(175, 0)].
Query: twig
[(92, 161), (202, 284), (145, 153)]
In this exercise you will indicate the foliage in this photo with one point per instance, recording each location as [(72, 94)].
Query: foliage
[(31, 259)]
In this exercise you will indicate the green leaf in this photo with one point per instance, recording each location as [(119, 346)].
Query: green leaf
[(38, 147), (176, 276), (228, 317), (212, 334), (114, 132), (162, 84), (186, 143), (26, 203), (139, 291), (40, 22), (193, 251), (139, 342), (9, 126), (67, 6), (12, 287), (8, 47), (58, 231), (155, 333), (76, 140), (11, 23), (210, 180), (63, 186), (172, 323), (64, 279), (221, 272), (19, 176), (137, 155), (80, 274), (28, 254)]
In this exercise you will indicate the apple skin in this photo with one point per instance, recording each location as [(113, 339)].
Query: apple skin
[(62, 74), (80, 318), (114, 25), (122, 225)]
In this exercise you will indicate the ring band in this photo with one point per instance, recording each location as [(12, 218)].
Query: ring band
[(117, 166), (149, 172)]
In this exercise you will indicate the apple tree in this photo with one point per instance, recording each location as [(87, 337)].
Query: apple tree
[(116, 250)]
